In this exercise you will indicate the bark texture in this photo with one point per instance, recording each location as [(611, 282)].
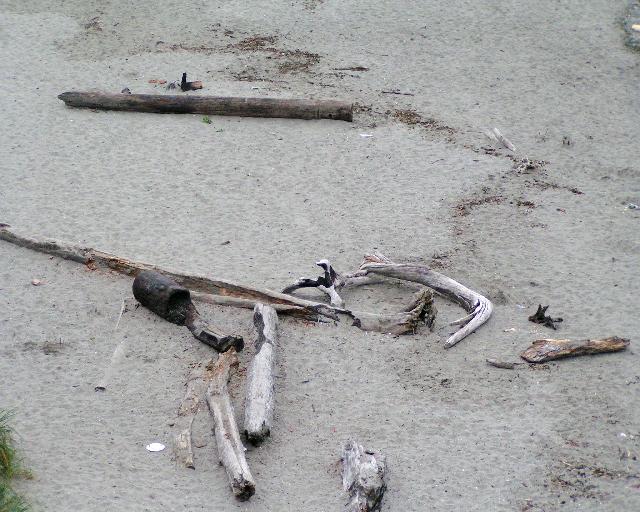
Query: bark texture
[(230, 447), (260, 397), (211, 105), (363, 475), (550, 349)]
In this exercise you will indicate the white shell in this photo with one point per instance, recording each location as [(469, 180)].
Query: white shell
[(155, 447)]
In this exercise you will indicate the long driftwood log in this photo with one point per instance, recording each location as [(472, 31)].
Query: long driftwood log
[(363, 474), (550, 349), (218, 291), (260, 397), (212, 105), (230, 447), (478, 306)]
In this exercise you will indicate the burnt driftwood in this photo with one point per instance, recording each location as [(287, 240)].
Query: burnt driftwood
[(189, 86), (217, 291), (540, 317), (549, 349), (212, 105), (230, 447), (260, 397), (172, 302), (363, 475), (478, 306)]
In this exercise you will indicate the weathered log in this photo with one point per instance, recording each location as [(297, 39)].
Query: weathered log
[(421, 308), (217, 290), (212, 105), (260, 397), (479, 307), (363, 475), (172, 302), (549, 349), (230, 447)]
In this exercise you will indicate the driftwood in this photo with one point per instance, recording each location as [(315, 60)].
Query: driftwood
[(331, 282), (230, 447), (326, 283), (260, 397), (549, 349), (540, 317), (363, 474), (189, 86), (172, 302), (187, 411), (505, 365), (212, 105), (218, 291), (478, 306), (237, 302), (420, 309)]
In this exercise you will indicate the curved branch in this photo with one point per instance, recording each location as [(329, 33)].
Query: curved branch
[(479, 307)]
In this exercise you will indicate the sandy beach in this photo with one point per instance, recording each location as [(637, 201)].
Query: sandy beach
[(258, 201)]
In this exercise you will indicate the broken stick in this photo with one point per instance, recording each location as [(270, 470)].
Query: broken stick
[(260, 399), (363, 474), (230, 447), (188, 410), (212, 105), (549, 349), (478, 306)]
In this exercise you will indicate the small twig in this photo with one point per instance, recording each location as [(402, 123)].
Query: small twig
[(503, 140), (398, 92)]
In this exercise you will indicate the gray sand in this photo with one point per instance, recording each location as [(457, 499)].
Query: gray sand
[(458, 434)]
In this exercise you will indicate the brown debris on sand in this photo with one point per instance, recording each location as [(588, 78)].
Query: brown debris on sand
[(539, 317), (550, 349)]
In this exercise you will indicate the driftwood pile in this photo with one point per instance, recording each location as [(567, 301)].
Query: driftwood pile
[(169, 294)]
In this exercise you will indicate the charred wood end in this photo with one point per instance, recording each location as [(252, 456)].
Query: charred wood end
[(539, 317)]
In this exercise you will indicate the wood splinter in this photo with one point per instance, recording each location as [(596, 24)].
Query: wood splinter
[(260, 397), (363, 473), (549, 349), (230, 447), (187, 412)]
